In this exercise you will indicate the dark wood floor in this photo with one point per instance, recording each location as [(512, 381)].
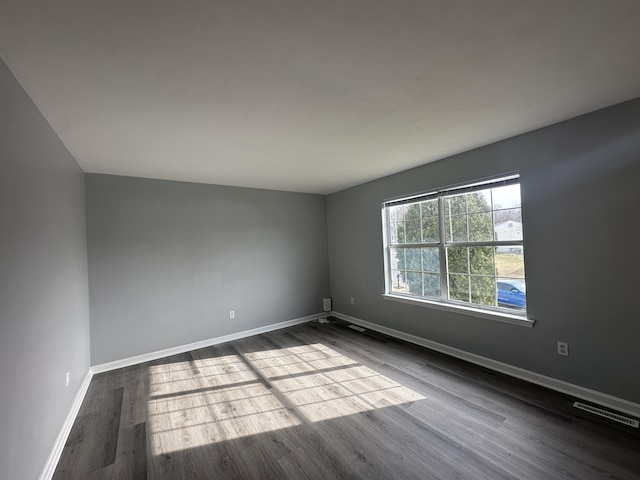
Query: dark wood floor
[(324, 401)]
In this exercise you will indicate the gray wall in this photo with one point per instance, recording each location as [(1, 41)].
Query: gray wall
[(168, 260), (44, 320), (580, 184)]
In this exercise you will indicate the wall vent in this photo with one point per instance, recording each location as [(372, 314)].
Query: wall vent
[(603, 413), (355, 327)]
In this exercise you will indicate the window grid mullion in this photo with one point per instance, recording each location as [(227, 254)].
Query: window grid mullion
[(414, 245), (466, 211), (506, 243), (444, 281), (468, 269), (387, 217), (493, 223)]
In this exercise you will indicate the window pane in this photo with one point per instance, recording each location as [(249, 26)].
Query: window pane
[(481, 261), (483, 290), (431, 260), (397, 233), (456, 228), (397, 281), (507, 225), (455, 204), (430, 230), (509, 262), (413, 259), (413, 234), (414, 283), (431, 284), (512, 293), (479, 201), (507, 217), (396, 258), (507, 214), (396, 214), (412, 212), (506, 197), (457, 260), (459, 287), (429, 208), (393, 233), (480, 227)]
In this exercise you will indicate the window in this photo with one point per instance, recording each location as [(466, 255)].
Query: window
[(459, 246)]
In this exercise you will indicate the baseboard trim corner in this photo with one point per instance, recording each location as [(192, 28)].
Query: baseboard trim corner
[(147, 357), (599, 398), (52, 462)]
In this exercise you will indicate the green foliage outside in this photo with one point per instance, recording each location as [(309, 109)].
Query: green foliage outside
[(472, 270)]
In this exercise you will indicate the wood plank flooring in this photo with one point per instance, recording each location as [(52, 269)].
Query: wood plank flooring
[(321, 401)]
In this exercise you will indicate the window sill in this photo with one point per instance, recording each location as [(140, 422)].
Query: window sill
[(474, 312)]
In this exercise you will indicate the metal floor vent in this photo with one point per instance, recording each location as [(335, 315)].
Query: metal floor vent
[(355, 327), (603, 413)]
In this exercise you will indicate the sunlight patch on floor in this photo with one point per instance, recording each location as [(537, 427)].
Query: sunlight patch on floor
[(210, 400), (346, 391)]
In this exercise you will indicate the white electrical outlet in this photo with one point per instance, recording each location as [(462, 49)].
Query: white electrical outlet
[(563, 349), (67, 378), (353, 300), (232, 314)]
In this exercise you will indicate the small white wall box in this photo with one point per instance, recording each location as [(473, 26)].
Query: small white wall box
[(326, 304)]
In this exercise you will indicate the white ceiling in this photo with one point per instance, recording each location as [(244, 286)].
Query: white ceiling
[(310, 95)]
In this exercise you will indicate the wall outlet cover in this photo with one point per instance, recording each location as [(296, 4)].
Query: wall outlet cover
[(563, 349)]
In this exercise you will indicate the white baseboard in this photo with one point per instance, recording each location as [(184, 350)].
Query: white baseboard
[(54, 456), (604, 399), (127, 362)]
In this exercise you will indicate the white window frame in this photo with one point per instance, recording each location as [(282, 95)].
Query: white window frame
[(444, 303)]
